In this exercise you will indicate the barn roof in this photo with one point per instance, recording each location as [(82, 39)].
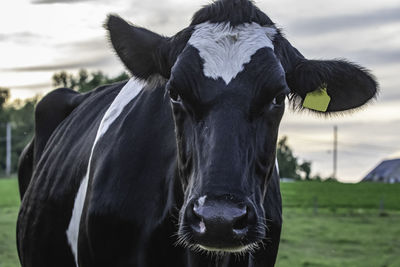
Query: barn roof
[(387, 171)]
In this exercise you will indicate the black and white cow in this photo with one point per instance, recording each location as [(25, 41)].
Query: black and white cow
[(175, 167)]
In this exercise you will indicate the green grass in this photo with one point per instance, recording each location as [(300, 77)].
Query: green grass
[(333, 224), (325, 224), (337, 195), (339, 239), (9, 202)]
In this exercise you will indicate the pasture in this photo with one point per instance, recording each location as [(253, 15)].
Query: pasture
[(325, 224)]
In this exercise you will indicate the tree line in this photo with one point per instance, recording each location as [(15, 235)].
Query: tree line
[(20, 113)]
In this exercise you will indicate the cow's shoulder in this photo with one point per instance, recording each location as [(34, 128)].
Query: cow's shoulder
[(64, 112), (51, 111), (25, 168)]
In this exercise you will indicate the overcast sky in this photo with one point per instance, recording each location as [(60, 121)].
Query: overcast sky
[(40, 37)]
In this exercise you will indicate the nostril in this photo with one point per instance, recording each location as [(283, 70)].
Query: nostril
[(196, 213), (241, 222), (192, 215), (196, 219)]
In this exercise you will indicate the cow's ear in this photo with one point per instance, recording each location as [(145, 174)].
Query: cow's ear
[(139, 49), (348, 85)]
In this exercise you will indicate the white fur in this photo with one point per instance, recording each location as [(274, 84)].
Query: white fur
[(242, 250), (229, 250), (73, 227), (225, 49), (202, 227), (126, 95), (202, 200), (277, 165)]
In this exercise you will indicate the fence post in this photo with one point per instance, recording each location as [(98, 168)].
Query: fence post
[(382, 206), (315, 205), (8, 149)]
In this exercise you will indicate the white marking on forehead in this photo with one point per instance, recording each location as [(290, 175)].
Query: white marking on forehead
[(225, 49), (131, 89), (202, 200)]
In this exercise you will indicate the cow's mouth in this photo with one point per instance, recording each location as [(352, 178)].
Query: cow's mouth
[(240, 249), (219, 245)]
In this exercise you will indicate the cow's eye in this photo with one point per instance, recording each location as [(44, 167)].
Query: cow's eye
[(174, 95), (279, 100)]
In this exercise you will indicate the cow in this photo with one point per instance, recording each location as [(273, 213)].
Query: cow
[(177, 165)]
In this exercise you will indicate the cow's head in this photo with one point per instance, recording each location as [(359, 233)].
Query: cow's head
[(227, 75)]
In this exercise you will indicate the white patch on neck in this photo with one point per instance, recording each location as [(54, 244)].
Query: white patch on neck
[(225, 49), (131, 89), (277, 165)]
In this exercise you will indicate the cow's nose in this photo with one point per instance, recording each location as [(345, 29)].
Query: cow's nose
[(220, 222)]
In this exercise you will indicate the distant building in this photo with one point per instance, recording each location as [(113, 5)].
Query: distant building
[(387, 171)]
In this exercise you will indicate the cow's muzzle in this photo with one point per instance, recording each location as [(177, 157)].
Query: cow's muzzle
[(221, 225)]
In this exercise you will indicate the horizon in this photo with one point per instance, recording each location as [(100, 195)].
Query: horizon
[(40, 37)]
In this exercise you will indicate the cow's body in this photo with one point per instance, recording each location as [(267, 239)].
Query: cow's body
[(144, 182), (175, 167)]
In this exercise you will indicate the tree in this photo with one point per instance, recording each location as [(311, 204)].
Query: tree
[(289, 165), (61, 79), (20, 113), (4, 96), (287, 162), (305, 168), (84, 81)]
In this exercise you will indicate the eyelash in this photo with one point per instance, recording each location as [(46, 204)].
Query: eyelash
[(174, 95), (176, 98), (279, 100)]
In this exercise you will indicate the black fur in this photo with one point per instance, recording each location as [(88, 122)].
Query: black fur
[(233, 11), (349, 85), (25, 168), (136, 43), (143, 52), (49, 113)]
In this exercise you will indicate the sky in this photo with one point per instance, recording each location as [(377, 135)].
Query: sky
[(40, 37)]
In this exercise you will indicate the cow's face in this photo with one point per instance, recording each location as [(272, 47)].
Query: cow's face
[(227, 91), (227, 76)]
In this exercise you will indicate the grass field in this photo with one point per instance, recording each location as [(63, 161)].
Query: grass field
[(325, 224), (9, 202), (333, 224)]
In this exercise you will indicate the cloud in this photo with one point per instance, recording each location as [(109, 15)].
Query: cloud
[(19, 37), (87, 46), (387, 56), (368, 57), (390, 94), (58, 1), (95, 62), (325, 25), (167, 16), (371, 57), (361, 144), (38, 86)]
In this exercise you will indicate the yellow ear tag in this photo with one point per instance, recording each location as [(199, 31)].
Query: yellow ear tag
[(317, 100)]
